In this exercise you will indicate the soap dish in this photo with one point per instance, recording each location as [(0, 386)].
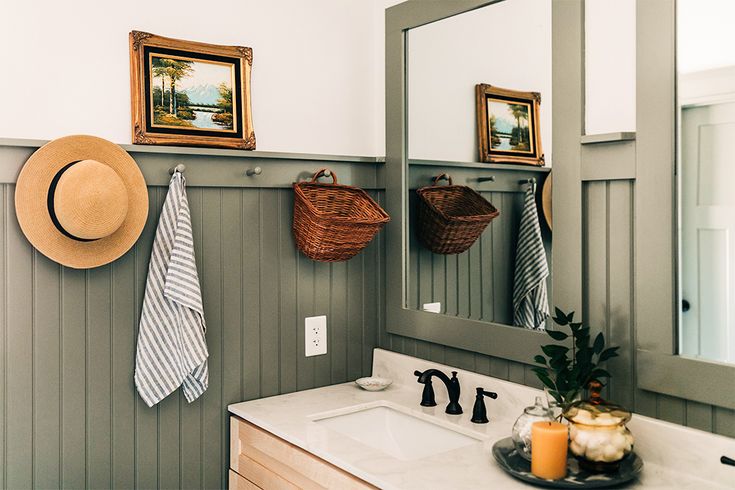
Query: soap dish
[(373, 383)]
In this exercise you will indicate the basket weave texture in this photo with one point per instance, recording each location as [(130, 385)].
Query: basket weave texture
[(452, 217), (333, 222)]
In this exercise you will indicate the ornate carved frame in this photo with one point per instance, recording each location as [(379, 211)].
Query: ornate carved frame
[(143, 134), (487, 154)]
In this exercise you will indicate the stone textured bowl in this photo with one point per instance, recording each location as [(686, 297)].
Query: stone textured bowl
[(373, 383)]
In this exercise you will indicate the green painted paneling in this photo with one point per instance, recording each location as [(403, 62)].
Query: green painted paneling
[(608, 302), (70, 415)]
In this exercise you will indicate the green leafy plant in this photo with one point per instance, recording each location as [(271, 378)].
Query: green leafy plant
[(567, 370)]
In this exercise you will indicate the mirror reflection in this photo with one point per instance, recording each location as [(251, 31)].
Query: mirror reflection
[(479, 115), (706, 103)]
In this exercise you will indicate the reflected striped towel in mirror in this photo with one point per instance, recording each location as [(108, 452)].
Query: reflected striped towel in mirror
[(530, 301), (172, 350)]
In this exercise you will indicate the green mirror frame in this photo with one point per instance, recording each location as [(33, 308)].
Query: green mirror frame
[(659, 367), (503, 341)]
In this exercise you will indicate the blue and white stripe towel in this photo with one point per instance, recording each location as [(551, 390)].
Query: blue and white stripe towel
[(172, 350), (530, 301)]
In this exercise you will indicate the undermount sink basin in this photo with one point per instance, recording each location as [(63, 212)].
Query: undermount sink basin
[(398, 434)]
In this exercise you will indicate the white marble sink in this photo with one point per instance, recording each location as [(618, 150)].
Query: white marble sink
[(394, 432)]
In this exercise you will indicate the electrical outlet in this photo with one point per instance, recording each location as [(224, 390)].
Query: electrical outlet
[(433, 307), (316, 335)]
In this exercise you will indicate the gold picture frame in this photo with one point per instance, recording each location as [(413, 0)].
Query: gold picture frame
[(508, 125), (187, 93)]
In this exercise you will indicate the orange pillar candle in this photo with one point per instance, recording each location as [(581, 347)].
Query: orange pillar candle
[(549, 442)]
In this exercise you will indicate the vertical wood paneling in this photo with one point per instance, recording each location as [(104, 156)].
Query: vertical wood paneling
[(724, 421), (5, 196), (305, 302), (19, 357), (232, 298), (355, 270), (5, 193), (73, 379), (251, 278), (191, 451), (322, 364), (98, 355), (67, 339), (288, 324), (124, 330), (269, 360), (69, 413), (146, 419), (46, 380), (211, 279)]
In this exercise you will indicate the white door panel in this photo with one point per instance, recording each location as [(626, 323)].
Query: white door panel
[(707, 227)]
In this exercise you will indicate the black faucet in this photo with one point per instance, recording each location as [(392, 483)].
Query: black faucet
[(479, 412), (427, 397)]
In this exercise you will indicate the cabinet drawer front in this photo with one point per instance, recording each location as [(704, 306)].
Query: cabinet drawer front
[(258, 455), (237, 482)]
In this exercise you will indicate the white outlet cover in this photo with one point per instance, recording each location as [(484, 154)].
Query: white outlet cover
[(316, 335), (433, 307)]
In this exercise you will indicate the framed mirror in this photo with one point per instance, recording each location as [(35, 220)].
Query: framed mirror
[(441, 57), (686, 333)]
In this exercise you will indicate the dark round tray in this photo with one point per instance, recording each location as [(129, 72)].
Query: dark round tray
[(513, 463)]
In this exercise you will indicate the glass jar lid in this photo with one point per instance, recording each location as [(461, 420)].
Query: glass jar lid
[(537, 409), (595, 411)]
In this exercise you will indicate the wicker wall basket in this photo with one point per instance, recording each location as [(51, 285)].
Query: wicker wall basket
[(333, 222), (451, 217)]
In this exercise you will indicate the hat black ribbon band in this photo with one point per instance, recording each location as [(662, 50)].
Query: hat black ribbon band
[(50, 204)]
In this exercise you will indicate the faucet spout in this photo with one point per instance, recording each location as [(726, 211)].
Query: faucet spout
[(453, 389)]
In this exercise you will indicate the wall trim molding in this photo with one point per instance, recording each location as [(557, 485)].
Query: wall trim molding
[(214, 167)]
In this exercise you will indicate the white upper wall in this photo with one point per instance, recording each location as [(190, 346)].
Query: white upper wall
[(446, 59), (706, 38), (65, 66), (610, 57), (318, 75)]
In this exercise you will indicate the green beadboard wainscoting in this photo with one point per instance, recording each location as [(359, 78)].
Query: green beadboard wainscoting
[(70, 416), (69, 413), (608, 283)]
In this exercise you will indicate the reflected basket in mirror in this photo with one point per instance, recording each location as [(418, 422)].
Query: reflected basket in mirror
[(451, 217)]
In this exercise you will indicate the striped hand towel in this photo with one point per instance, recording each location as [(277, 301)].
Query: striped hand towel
[(171, 348), (530, 301)]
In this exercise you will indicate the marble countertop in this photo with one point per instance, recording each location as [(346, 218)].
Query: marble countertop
[(291, 417)]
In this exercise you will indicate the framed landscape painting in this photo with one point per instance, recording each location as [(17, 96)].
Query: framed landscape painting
[(190, 93), (508, 125)]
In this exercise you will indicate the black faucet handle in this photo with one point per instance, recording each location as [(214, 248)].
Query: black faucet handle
[(417, 373), (490, 394), (479, 412)]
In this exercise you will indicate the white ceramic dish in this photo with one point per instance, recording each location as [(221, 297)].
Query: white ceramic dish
[(373, 383)]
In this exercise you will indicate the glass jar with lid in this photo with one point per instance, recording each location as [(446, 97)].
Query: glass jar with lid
[(521, 434), (598, 437)]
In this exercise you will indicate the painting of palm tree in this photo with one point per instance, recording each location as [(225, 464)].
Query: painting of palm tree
[(191, 93), (508, 123)]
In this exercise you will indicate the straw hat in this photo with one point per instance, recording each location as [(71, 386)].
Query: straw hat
[(546, 200), (81, 201)]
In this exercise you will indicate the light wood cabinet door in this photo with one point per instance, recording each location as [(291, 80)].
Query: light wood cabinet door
[(272, 463), (238, 482)]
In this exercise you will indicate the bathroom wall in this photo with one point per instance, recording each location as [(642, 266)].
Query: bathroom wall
[(610, 38), (313, 85), (607, 306), (69, 413), (447, 59), (606, 177)]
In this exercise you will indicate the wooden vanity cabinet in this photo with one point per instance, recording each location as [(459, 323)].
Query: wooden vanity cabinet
[(258, 459)]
